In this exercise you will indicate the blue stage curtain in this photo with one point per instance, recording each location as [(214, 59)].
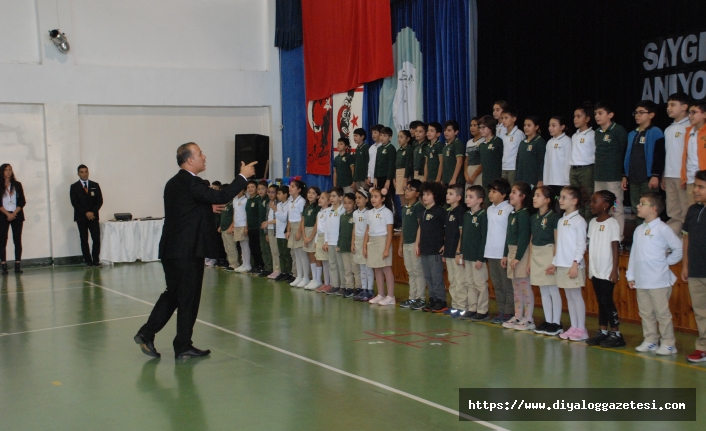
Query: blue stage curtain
[(371, 105), (294, 118), (447, 32)]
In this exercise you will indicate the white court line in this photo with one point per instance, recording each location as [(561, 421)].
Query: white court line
[(71, 326), (322, 365)]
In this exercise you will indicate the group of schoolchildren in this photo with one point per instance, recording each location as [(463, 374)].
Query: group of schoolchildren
[(513, 208)]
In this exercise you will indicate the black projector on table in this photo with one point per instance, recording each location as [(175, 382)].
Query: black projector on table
[(123, 216)]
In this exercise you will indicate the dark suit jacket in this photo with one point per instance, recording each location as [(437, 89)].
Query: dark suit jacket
[(20, 202), (84, 202), (188, 216)]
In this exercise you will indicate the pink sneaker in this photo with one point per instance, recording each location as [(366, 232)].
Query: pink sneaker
[(376, 299), (569, 332), (579, 335)]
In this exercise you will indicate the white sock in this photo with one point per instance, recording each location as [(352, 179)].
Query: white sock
[(371, 277), (313, 270), (319, 270), (245, 248), (327, 274), (363, 277)]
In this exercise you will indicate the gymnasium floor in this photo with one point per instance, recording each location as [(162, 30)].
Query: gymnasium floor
[(283, 359)]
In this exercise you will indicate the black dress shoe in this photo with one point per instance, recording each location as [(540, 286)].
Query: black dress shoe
[(146, 346), (281, 277), (265, 273), (98, 265), (193, 352)]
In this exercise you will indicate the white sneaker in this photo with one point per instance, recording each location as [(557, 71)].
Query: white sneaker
[(389, 300), (313, 284), (304, 282), (242, 268), (666, 350), (295, 282), (524, 325), (511, 323), (646, 347), (376, 299)]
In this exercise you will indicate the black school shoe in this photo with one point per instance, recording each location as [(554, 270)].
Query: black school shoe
[(554, 329), (429, 305), (613, 340), (418, 304), (467, 315), (439, 307), (348, 293), (597, 339), (265, 273)]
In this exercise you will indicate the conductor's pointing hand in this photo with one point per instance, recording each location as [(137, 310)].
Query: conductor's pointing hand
[(247, 170)]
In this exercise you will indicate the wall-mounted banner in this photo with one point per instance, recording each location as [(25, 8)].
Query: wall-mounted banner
[(674, 64), (319, 133)]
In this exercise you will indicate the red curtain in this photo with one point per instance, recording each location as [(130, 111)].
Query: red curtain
[(346, 43)]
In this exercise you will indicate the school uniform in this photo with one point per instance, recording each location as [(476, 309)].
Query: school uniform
[(321, 220), (404, 168), (335, 260), (557, 162), (570, 248), (344, 175), (412, 262), (677, 201), (543, 227), (516, 243), (432, 222), (309, 217), (452, 235), (285, 256), (530, 161), (372, 159), (695, 228), (497, 231), (419, 151), (649, 269), (264, 244), (362, 157), (644, 159), (608, 170), (473, 159), (360, 219), (240, 218), (452, 152), (351, 270), (252, 210), (378, 220), (227, 238), (600, 265), (272, 240), (432, 153), (491, 157), (511, 143), (385, 164), (474, 282), (583, 159), (295, 217)]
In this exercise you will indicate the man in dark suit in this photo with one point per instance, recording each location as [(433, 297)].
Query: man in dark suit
[(87, 199), (188, 237)]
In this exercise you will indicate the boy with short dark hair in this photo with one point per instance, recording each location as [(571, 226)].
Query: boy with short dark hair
[(511, 143), (430, 243), (419, 130), (412, 262), (677, 201), (694, 263), (453, 154), (452, 235), (491, 152), (474, 232), (498, 214), (252, 211), (362, 157), (649, 273), (694, 157), (644, 159), (433, 153), (373, 153), (611, 141), (385, 161), (264, 204), (343, 166)]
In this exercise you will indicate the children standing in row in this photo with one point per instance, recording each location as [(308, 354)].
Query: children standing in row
[(516, 257), (604, 237), (472, 246), (542, 250), (360, 219), (377, 246)]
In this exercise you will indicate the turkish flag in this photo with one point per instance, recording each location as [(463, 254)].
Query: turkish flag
[(346, 43), (319, 136)]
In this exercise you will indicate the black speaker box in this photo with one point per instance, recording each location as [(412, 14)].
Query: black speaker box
[(251, 148)]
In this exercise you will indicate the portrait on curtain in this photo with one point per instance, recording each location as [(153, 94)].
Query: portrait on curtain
[(348, 111), (319, 136)]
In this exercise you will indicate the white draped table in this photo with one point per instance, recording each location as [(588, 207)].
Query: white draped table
[(128, 241)]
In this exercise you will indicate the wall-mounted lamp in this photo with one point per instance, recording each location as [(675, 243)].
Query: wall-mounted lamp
[(60, 40)]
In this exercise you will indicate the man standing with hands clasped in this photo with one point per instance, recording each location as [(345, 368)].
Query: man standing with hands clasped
[(187, 238), (87, 199)]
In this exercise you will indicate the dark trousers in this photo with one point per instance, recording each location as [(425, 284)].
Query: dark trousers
[(16, 237), (255, 251), (183, 293), (607, 313), (92, 226), (285, 256)]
